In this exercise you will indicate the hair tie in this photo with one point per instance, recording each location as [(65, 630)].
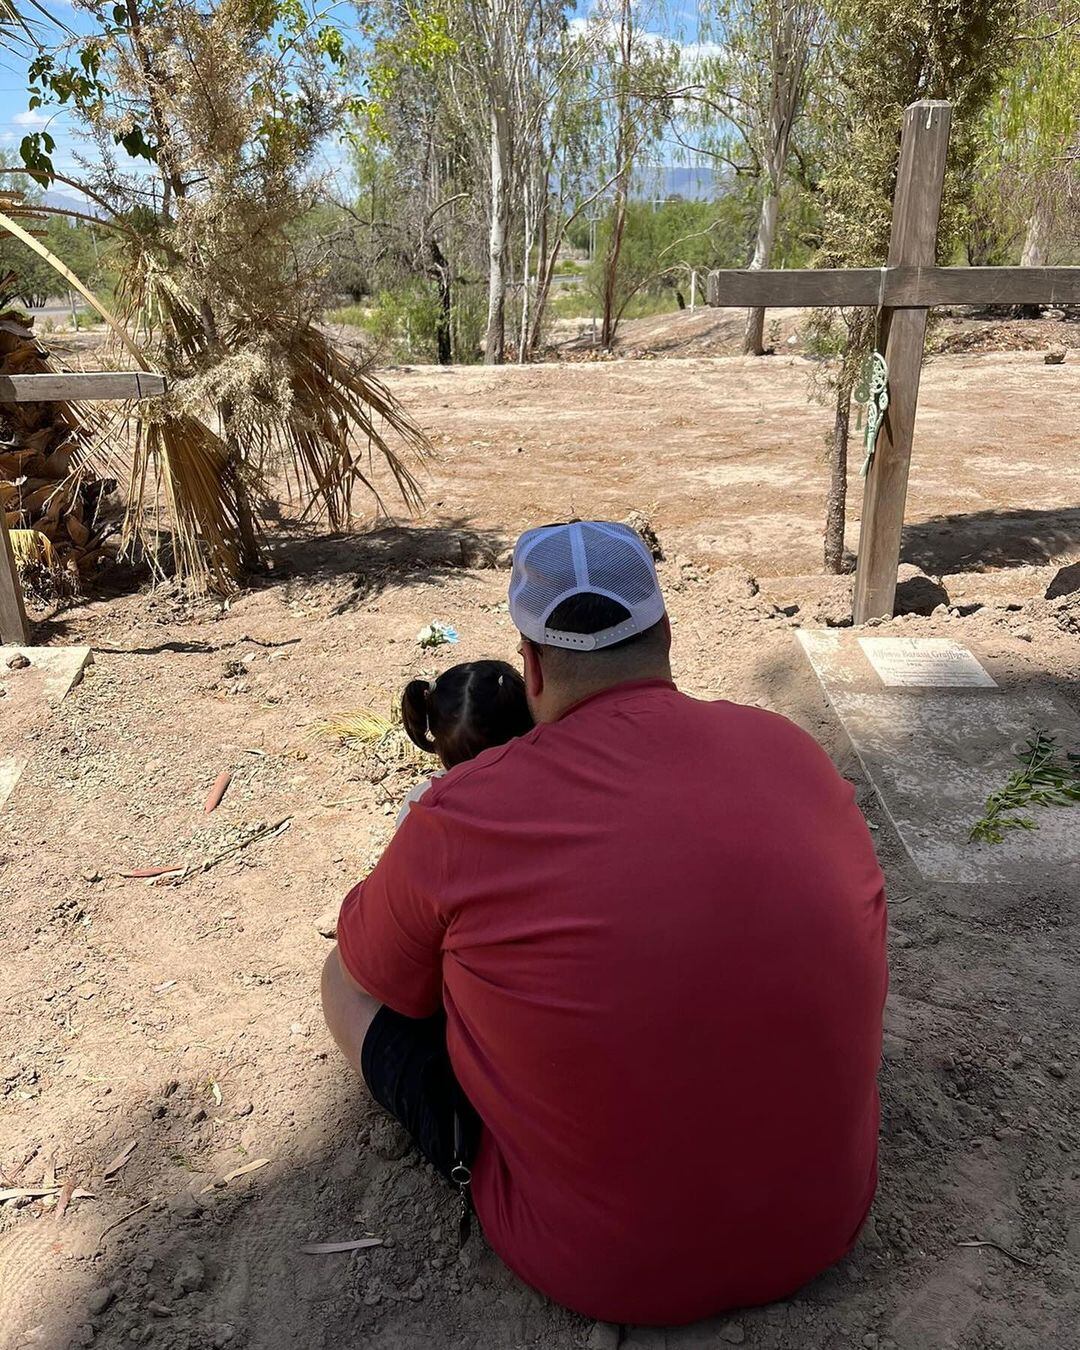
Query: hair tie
[(500, 681)]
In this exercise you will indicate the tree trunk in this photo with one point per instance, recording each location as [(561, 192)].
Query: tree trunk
[(624, 142), (443, 328), (611, 272), (250, 558), (1037, 239), (497, 242), (233, 471), (1036, 252), (543, 281), (440, 271), (754, 335), (526, 249), (836, 499)]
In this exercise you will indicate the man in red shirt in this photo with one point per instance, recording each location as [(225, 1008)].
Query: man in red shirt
[(645, 945)]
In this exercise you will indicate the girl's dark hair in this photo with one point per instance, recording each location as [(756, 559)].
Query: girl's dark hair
[(469, 708)]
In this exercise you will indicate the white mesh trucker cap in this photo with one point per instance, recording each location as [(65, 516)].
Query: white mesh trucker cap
[(597, 557)]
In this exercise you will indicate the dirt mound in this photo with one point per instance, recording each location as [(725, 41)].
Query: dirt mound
[(974, 334), (706, 332)]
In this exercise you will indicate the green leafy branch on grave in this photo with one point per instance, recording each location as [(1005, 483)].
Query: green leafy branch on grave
[(1044, 780)]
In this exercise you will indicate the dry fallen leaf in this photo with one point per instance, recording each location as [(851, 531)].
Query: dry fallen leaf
[(27, 1192), (215, 1092), (322, 1248), (236, 1172), (121, 1158), (64, 1198), (219, 789)]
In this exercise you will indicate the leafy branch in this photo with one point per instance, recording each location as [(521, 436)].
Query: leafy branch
[(1044, 780)]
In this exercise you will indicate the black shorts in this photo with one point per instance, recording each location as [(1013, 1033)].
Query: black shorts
[(406, 1066)]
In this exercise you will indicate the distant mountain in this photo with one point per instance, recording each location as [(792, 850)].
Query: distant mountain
[(70, 201), (694, 181)]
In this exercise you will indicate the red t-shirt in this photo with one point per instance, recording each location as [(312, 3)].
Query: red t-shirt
[(658, 929)]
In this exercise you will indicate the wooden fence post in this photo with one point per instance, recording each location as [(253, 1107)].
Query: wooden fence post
[(14, 629)]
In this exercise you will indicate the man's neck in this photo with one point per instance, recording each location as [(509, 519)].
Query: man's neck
[(563, 699)]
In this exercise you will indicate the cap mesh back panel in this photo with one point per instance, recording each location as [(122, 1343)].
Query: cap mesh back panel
[(613, 567), (548, 572)]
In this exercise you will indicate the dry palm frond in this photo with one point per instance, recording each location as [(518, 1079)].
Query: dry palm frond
[(177, 461), (33, 549), (41, 572), (184, 464), (364, 727), (288, 401), (368, 731), (332, 397)]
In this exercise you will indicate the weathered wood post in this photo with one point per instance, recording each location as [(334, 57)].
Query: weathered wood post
[(916, 207), (14, 629)]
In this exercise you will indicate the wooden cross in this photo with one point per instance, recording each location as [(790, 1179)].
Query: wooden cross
[(904, 290), (77, 387)]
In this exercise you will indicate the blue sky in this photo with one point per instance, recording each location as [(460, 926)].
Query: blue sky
[(675, 19)]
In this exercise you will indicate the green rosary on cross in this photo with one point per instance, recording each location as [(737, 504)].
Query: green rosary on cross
[(872, 395)]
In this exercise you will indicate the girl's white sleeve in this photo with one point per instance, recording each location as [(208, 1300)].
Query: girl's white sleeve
[(413, 795)]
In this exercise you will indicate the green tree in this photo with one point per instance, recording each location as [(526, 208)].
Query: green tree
[(636, 76), (884, 54), (662, 243), (498, 91), (1028, 168), (563, 175), (420, 203), (755, 87)]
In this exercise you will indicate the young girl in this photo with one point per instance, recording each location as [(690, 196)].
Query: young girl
[(469, 708)]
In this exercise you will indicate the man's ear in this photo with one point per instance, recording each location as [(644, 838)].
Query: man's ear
[(667, 631), (534, 670)]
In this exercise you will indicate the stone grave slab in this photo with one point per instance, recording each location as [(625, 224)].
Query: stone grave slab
[(29, 692), (936, 735), (925, 663)]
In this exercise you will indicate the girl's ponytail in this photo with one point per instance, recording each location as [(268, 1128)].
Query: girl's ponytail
[(414, 715)]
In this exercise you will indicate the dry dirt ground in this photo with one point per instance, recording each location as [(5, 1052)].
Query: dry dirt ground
[(159, 1036)]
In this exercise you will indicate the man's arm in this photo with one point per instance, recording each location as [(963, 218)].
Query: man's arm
[(348, 1009), (390, 937)]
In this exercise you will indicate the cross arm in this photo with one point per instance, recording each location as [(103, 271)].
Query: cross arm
[(895, 287), (80, 386)]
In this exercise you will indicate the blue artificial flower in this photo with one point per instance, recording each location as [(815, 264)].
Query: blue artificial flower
[(436, 635)]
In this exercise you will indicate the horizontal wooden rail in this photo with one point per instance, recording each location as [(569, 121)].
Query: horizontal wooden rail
[(895, 287), (80, 386)]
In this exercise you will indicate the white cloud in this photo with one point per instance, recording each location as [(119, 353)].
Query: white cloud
[(693, 52), (33, 119), (689, 52)]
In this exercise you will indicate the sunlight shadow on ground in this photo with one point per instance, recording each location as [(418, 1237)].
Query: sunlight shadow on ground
[(392, 555), (984, 540), (190, 1271)]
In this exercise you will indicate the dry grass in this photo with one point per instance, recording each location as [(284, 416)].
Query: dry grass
[(368, 732)]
